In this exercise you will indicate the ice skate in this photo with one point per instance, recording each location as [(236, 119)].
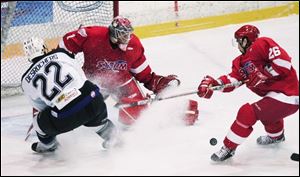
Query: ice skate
[(266, 140), (112, 143), (223, 154), (42, 148)]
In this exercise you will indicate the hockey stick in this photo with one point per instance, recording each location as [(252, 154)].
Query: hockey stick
[(295, 157), (29, 132), (35, 112), (150, 100)]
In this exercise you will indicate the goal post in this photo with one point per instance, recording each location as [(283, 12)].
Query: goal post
[(48, 20)]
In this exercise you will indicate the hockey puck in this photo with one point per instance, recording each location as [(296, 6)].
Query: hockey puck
[(213, 141)]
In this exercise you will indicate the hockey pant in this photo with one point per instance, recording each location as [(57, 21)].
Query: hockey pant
[(269, 111), (89, 109)]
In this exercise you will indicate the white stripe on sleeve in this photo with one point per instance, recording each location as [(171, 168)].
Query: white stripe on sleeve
[(140, 68), (283, 63)]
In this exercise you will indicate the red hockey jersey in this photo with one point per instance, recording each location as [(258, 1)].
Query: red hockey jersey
[(273, 61), (104, 62)]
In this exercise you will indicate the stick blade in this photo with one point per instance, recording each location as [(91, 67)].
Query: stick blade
[(295, 157)]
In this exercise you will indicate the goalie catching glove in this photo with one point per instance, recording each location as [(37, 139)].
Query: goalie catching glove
[(158, 83)]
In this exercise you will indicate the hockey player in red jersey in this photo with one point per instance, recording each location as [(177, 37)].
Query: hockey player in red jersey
[(114, 58), (266, 70)]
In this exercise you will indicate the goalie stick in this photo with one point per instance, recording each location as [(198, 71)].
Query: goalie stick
[(150, 100)]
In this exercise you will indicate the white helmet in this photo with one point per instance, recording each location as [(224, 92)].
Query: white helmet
[(34, 47)]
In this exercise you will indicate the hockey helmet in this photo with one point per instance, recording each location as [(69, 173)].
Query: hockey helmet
[(34, 47), (245, 36), (249, 31), (120, 30)]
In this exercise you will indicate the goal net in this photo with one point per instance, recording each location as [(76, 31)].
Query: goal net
[(49, 20)]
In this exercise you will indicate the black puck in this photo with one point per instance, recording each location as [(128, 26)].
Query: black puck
[(213, 141)]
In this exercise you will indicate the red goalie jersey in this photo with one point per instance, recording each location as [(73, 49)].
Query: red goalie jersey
[(114, 59), (111, 66)]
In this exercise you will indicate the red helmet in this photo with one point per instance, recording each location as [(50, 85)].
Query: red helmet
[(120, 30), (249, 31)]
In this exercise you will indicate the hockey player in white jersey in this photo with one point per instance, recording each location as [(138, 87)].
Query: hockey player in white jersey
[(57, 87)]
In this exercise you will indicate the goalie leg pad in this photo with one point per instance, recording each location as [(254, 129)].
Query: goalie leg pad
[(129, 115), (129, 93)]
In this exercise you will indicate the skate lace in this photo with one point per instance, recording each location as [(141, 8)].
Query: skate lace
[(223, 152), (266, 139)]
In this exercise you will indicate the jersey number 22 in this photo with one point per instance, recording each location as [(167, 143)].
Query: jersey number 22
[(58, 84)]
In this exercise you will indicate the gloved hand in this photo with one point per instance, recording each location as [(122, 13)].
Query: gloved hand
[(253, 75), (256, 78), (204, 87), (158, 83)]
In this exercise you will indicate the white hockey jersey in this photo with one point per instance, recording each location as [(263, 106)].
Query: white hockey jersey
[(53, 80)]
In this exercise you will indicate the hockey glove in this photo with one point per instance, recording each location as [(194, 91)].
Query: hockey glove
[(254, 75), (256, 78), (158, 83), (204, 87)]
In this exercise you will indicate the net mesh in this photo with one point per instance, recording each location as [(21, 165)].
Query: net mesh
[(49, 20)]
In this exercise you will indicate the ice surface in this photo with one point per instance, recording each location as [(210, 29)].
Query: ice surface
[(159, 144)]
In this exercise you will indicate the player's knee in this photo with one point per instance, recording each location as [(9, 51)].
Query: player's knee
[(97, 112), (246, 115), (36, 125), (99, 107), (102, 111)]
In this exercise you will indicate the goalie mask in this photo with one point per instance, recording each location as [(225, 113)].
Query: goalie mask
[(120, 31), (34, 47)]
